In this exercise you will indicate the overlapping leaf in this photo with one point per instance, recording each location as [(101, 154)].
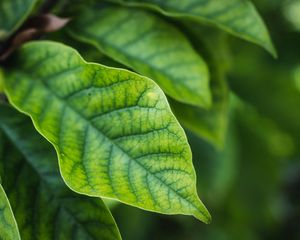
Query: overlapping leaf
[(8, 225), (217, 172), (238, 17), (12, 15), (147, 44), (113, 130), (275, 79), (210, 124), (1, 81), (44, 207)]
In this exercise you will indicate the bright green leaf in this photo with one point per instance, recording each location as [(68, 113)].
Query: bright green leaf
[(44, 207), (8, 225), (113, 130), (239, 17), (12, 15), (149, 45)]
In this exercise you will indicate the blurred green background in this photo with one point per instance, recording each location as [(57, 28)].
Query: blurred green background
[(251, 185)]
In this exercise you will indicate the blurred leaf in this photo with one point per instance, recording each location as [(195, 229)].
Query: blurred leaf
[(43, 205), (12, 14), (217, 171), (149, 45), (278, 142), (270, 87), (261, 163), (8, 225), (113, 130), (292, 13), (210, 124), (1, 81), (239, 17)]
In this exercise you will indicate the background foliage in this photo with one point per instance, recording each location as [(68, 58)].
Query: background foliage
[(241, 118)]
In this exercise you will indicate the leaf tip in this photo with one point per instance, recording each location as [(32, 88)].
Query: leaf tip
[(203, 215), (271, 49)]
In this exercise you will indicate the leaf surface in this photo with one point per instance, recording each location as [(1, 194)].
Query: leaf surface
[(238, 17), (209, 124), (8, 225), (44, 207), (113, 130), (12, 15), (149, 45)]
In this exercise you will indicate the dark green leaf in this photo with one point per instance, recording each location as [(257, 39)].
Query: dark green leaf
[(210, 124), (44, 207), (238, 17), (12, 15), (8, 225)]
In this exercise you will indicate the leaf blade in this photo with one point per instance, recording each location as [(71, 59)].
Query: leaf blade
[(129, 127), (209, 124), (8, 225), (233, 16), (149, 45), (51, 209)]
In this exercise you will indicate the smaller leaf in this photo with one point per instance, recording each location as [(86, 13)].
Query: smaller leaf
[(8, 225), (238, 17), (12, 14), (44, 207), (35, 27), (1, 80), (209, 124), (147, 44)]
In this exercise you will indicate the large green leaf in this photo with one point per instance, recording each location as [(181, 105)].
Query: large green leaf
[(113, 130), (8, 225), (147, 44), (44, 207), (238, 17), (12, 15)]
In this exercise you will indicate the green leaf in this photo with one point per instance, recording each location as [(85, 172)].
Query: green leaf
[(12, 14), (209, 124), (238, 17), (8, 225), (149, 45), (1, 81), (276, 79), (44, 207), (113, 130), (218, 170)]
